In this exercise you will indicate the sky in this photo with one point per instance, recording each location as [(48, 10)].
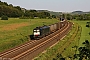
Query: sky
[(52, 5)]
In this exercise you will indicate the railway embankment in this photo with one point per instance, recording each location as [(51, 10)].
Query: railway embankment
[(64, 48)]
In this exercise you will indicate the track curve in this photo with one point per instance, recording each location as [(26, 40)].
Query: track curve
[(30, 49)]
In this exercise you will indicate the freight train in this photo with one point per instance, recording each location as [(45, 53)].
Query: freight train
[(43, 31)]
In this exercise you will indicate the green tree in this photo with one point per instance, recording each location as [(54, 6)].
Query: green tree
[(53, 16), (84, 52), (18, 7)]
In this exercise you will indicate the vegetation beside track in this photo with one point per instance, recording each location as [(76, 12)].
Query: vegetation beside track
[(65, 47), (85, 31), (15, 31)]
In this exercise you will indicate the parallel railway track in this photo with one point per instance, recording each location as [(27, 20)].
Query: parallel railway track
[(30, 49)]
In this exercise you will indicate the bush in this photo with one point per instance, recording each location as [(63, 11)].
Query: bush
[(4, 17)]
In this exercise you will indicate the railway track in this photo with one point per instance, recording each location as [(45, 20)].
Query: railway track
[(30, 49)]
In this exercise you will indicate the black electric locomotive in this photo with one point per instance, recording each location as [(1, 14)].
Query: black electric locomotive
[(40, 32)]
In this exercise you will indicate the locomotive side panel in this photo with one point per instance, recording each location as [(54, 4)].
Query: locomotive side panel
[(44, 31)]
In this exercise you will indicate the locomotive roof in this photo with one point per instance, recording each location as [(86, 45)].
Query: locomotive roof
[(43, 27)]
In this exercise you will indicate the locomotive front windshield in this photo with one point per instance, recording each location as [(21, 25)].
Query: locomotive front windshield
[(36, 32)]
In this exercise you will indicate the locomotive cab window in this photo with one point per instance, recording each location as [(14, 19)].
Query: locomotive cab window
[(35, 30), (38, 30)]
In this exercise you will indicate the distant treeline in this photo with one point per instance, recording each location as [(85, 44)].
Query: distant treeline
[(16, 11), (10, 10), (76, 16)]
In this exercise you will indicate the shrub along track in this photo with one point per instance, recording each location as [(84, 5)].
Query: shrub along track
[(30, 49)]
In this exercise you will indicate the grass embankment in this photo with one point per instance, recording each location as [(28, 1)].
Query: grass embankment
[(85, 32), (15, 31), (65, 46)]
